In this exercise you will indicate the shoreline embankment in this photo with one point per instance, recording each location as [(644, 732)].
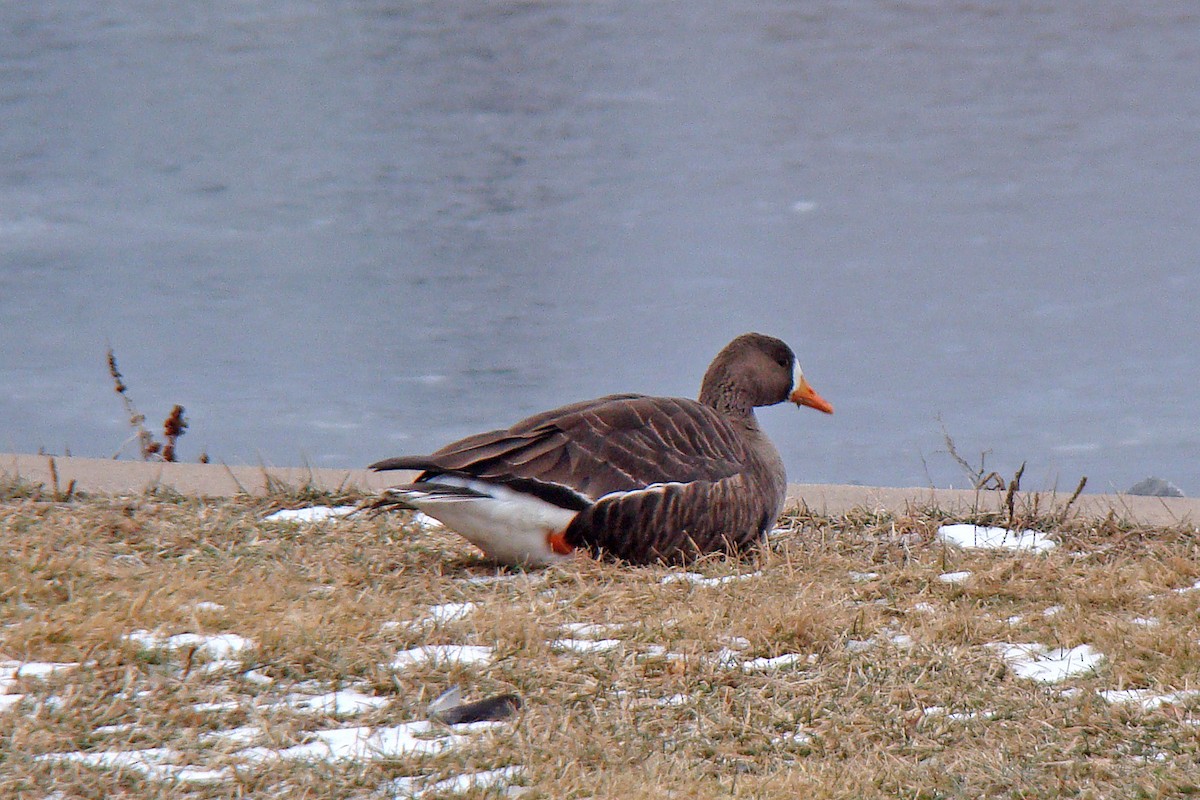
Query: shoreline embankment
[(108, 476)]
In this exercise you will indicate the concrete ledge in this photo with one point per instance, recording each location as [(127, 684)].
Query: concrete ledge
[(104, 476)]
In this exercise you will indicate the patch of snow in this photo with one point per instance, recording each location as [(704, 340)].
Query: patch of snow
[(700, 580), (736, 642), (1146, 622), (485, 580), (925, 608), (414, 787), (586, 645), (216, 646), (12, 671), (366, 744), (1184, 590), (659, 651), (241, 735), (1039, 663), (863, 577), (796, 737), (778, 662), (436, 615), (257, 677), (1053, 611), (985, 538), (345, 703), (220, 665), (727, 658), (1148, 699), (443, 654), (310, 514), (155, 763), (218, 706), (955, 577), (208, 607), (957, 716), (121, 727), (592, 630)]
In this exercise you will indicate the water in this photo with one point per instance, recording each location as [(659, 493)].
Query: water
[(342, 231)]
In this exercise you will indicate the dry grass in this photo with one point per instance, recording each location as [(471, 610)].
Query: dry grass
[(75, 576)]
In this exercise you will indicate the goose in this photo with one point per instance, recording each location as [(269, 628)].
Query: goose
[(630, 477)]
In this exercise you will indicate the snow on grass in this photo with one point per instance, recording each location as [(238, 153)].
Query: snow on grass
[(1039, 663), (336, 744), (244, 734), (1148, 699), (156, 763), (443, 654), (979, 537), (592, 630), (310, 514), (440, 614), (957, 716), (798, 738), (586, 645), (961, 576), (729, 658), (414, 787), (217, 646), (700, 580), (778, 662), (208, 607), (345, 703), (12, 671), (368, 744)]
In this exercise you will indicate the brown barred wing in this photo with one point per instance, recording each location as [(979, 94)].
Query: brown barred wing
[(613, 444), (676, 522)]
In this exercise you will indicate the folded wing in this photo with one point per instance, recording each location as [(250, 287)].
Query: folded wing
[(618, 443)]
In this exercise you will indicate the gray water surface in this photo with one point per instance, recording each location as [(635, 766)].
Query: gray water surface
[(338, 231)]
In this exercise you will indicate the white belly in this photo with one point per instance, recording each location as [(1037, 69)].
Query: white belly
[(510, 527)]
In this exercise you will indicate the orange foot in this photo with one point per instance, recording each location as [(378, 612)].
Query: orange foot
[(558, 542)]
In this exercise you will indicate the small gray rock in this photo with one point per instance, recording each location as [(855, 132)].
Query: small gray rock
[(1155, 487)]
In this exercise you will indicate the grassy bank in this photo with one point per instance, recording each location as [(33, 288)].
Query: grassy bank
[(851, 659)]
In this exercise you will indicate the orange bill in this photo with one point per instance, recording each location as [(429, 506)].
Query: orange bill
[(803, 395)]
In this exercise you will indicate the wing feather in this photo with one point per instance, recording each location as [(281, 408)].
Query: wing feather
[(612, 444)]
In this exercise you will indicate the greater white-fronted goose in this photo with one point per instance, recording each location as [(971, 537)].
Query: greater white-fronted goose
[(638, 478)]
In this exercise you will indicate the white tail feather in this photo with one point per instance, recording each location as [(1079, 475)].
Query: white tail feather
[(509, 526)]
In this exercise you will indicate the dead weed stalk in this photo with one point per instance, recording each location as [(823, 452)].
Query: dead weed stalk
[(174, 426)]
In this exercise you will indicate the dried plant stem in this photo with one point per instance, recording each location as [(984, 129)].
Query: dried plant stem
[(149, 448)]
